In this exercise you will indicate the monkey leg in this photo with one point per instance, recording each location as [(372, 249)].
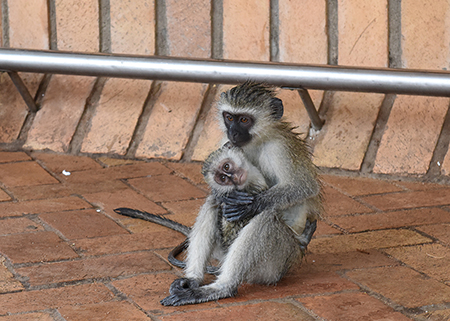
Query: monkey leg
[(307, 234), (262, 253)]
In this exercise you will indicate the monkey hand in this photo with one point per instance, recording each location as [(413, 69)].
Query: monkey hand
[(237, 206), (182, 285)]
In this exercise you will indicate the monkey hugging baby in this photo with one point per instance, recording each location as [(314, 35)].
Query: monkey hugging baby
[(263, 207)]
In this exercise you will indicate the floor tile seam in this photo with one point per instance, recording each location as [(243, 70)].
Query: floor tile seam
[(85, 258), (435, 239), (378, 296), (356, 199), (103, 280), (159, 203)]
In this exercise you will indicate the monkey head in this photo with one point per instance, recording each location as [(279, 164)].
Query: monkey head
[(248, 111), (227, 169)]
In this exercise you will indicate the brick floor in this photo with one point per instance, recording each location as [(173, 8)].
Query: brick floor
[(381, 253)]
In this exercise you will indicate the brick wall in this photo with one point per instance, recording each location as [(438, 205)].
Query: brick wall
[(364, 132)]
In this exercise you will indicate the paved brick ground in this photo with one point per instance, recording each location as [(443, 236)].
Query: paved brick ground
[(381, 253)]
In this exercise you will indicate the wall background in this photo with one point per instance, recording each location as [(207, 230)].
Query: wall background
[(367, 133)]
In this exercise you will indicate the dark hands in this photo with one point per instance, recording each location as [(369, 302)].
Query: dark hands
[(238, 205)]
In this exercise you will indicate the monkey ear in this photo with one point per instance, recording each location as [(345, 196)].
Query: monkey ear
[(277, 108)]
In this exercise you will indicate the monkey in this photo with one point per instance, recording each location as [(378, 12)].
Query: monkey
[(259, 249), (226, 170), (251, 118)]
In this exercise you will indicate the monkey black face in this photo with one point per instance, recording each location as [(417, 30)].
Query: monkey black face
[(229, 174), (238, 128)]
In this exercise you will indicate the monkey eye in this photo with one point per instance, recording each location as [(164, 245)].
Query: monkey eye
[(223, 178), (226, 167), (229, 117), (244, 119)]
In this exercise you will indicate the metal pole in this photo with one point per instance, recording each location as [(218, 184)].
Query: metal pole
[(316, 122), (399, 81), (23, 90)]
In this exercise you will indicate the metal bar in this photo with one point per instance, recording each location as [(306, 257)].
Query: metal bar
[(316, 122), (23, 90), (400, 81)]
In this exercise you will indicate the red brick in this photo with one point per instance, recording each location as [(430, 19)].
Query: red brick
[(364, 241), (337, 203), (54, 298), (120, 104), (409, 200), (363, 38), (172, 119), (329, 262), (191, 171), (360, 186), (253, 17), (402, 285), (260, 311), (7, 281), (35, 247), (324, 229), (147, 290), (33, 34), (103, 311), (349, 123), (439, 231), (166, 188), (189, 28), (184, 212), (24, 174), (19, 225), (431, 259), (211, 134), (64, 102), (63, 190), (28, 317), (108, 201), (395, 219), (303, 23), (117, 172), (82, 224), (42, 206), (13, 111), (4, 196), (403, 149), (135, 225), (351, 307), (8, 157), (77, 25), (294, 283), (133, 27), (108, 266), (128, 243), (57, 163), (108, 161), (419, 186)]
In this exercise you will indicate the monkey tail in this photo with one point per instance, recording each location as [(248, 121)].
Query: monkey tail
[(158, 219)]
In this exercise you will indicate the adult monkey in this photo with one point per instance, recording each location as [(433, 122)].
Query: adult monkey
[(251, 117)]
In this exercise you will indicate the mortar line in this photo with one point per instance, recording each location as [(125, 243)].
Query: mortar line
[(161, 34), (441, 148), (208, 100), (5, 23), (274, 30), (217, 29), (332, 31), (105, 25), (368, 162)]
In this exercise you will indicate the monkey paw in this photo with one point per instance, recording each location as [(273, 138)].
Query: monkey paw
[(197, 295), (308, 231), (182, 285), (237, 206)]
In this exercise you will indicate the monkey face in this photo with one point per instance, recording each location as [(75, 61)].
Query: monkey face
[(238, 128), (229, 174)]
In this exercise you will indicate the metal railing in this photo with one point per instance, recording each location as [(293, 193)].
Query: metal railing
[(299, 76)]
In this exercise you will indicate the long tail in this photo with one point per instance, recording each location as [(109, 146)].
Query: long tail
[(161, 220), (158, 219)]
